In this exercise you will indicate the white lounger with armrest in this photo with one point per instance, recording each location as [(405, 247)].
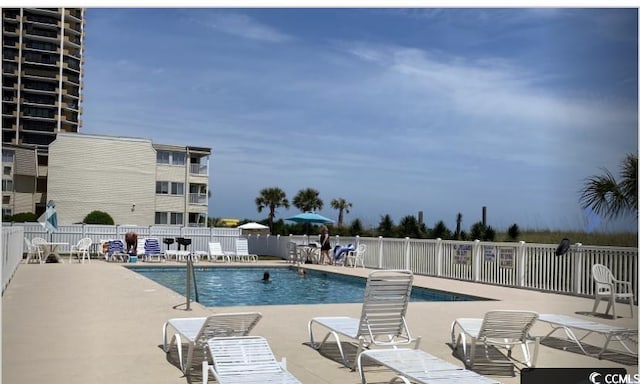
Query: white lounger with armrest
[(244, 360), (197, 330), (569, 324), (382, 320), (415, 365)]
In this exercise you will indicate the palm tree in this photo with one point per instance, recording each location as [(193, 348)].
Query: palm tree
[(341, 205), (271, 198), (609, 198), (308, 200)]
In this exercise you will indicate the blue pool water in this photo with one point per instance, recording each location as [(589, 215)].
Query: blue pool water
[(229, 286)]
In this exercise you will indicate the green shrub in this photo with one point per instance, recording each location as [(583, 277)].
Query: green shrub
[(23, 217), (98, 217)]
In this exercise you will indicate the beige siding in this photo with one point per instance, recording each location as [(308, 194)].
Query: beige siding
[(22, 202), (25, 162), (109, 174), (169, 203)]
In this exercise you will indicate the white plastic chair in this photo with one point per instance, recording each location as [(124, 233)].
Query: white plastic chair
[(292, 252), (82, 249), (33, 252), (610, 289), (357, 256)]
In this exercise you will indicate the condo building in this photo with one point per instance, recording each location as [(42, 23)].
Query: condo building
[(44, 157), (41, 73)]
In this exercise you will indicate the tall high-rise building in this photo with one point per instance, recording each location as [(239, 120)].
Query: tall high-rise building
[(42, 61), (41, 73)]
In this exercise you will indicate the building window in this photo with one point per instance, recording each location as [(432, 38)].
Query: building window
[(161, 218), (6, 212), (177, 189), (173, 158), (6, 171), (6, 199), (173, 218), (7, 185), (178, 158), (177, 218), (162, 187), (163, 157), (7, 156)]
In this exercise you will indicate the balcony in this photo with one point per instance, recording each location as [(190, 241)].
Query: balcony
[(198, 169), (198, 198)]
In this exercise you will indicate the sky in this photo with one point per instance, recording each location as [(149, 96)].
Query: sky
[(398, 111)]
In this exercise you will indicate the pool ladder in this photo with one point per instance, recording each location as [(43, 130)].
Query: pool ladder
[(191, 275)]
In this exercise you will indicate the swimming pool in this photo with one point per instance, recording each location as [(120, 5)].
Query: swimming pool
[(237, 286)]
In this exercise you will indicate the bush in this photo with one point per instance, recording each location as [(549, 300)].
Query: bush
[(513, 232), (98, 217), (23, 217)]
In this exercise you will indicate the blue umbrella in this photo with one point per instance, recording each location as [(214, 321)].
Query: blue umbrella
[(309, 217)]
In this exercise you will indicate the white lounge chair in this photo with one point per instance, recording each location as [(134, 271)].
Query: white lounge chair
[(382, 321), (81, 250), (152, 249), (415, 365), (500, 328), (216, 253), (244, 360), (570, 325), (610, 289), (197, 330), (242, 251)]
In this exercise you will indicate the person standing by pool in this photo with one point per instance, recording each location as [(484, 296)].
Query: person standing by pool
[(325, 245)]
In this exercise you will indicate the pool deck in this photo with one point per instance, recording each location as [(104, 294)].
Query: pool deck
[(101, 323)]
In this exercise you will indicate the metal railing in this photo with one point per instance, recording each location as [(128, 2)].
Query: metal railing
[(198, 198), (198, 169)]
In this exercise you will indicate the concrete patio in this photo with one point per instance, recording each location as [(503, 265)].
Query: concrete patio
[(102, 323)]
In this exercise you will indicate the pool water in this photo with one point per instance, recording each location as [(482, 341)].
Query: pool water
[(232, 286)]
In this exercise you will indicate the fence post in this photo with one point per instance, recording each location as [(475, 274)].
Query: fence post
[(522, 265), (475, 260), (406, 253), (380, 242), (577, 268), (438, 257)]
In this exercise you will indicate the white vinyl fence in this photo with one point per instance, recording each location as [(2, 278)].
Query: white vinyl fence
[(520, 265), (71, 234), (12, 248)]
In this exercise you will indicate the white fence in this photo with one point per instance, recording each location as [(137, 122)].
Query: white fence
[(71, 234), (520, 265), (12, 248)]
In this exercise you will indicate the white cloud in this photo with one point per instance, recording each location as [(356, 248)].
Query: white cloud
[(240, 25)]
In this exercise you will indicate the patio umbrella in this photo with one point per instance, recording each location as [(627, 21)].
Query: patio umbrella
[(49, 219), (309, 217), (252, 225)]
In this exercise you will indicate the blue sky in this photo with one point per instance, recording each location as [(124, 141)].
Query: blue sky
[(395, 110)]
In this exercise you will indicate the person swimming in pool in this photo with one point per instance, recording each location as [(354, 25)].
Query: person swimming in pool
[(266, 277)]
